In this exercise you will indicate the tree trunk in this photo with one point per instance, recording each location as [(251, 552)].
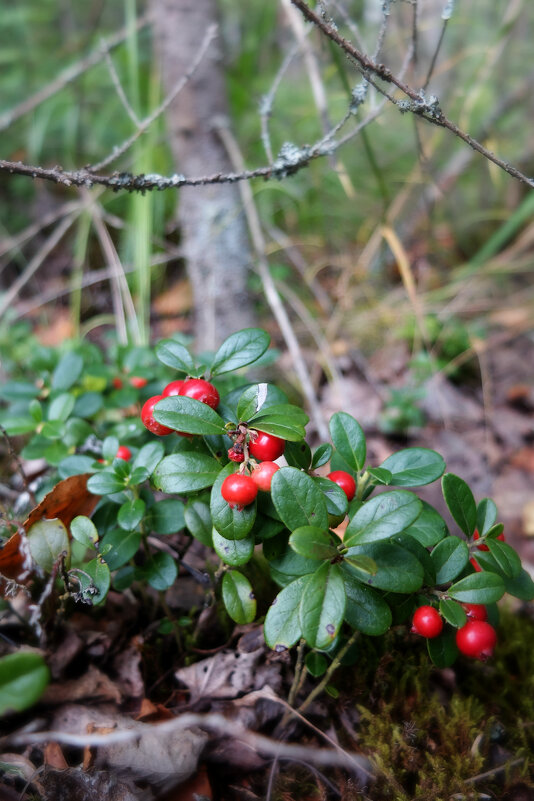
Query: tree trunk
[(213, 228)]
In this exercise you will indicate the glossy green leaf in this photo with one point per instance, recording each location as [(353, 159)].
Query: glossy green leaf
[(53, 429), (149, 456), (233, 524), (130, 514), (414, 467), (337, 504), (88, 404), (98, 571), (68, 371), (453, 612), (284, 560), (298, 454), (429, 528), (48, 540), (106, 482), (461, 502), (316, 664), (398, 569), (18, 425), (198, 521), (380, 475), (443, 650), (252, 401), (362, 563), (298, 500), (478, 588), (486, 515), (366, 610), (450, 556), (84, 530), (166, 516), (420, 553), (124, 545), (321, 456), (382, 517), (232, 551), (239, 349), (521, 586), (348, 439), (61, 407), (282, 420), (238, 597), (75, 465), (313, 543), (322, 606), (282, 627), (24, 677), (174, 355), (188, 415), (506, 558), (161, 571), (186, 472)]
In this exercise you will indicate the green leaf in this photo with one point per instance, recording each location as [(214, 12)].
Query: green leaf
[(75, 465), (18, 425), (449, 557), (506, 558), (298, 454), (429, 528), (398, 569), (348, 439), (175, 355), (84, 530), (135, 477), (238, 597), (282, 420), (366, 610), (130, 514), (363, 563), (486, 515), (321, 456), (382, 517), (61, 407), (460, 501), (53, 429), (316, 664), (161, 571), (98, 571), (298, 500), (252, 401), (105, 483), (414, 467), (478, 588), (521, 586), (186, 472), (443, 650), (322, 606), (233, 524), (68, 371), (188, 416), (124, 545), (47, 540), (24, 677), (453, 612), (380, 475), (240, 349), (284, 561), (232, 551), (337, 504), (313, 543), (88, 404), (166, 516), (282, 626), (198, 521), (19, 390), (109, 448), (149, 456), (420, 553)]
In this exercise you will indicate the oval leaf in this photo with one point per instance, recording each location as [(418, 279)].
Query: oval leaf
[(397, 569), (188, 415), (312, 542), (149, 456), (298, 500), (453, 612), (175, 355), (233, 524), (24, 677), (238, 597), (366, 610), (348, 439), (232, 552), (449, 557), (282, 626), (198, 521), (166, 516), (414, 467), (98, 571), (478, 588), (382, 517), (240, 349), (84, 530), (429, 528), (507, 559), (161, 571), (443, 650), (486, 515), (322, 606), (186, 472), (321, 456), (48, 539), (460, 501), (130, 514), (123, 546)]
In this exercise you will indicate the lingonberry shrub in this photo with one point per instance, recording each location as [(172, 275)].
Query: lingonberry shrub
[(427, 622), (397, 555), (476, 639)]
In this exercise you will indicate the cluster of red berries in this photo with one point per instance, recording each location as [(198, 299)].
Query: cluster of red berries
[(477, 638), (195, 388), (136, 381)]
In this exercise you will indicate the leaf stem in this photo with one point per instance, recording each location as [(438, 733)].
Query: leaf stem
[(336, 662)]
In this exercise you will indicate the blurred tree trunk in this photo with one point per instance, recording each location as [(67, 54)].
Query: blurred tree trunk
[(213, 227)]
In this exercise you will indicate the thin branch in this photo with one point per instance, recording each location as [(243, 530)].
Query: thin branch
[(119, 88), (69, 75), (266, 105)]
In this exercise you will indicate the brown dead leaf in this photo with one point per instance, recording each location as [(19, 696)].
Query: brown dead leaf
[(150, 712), (93, 684), (127, 665), (198, 786), (53, 756), (67, 500), (177, 299), (226, 674)]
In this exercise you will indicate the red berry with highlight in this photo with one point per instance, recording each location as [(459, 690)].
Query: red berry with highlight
[(201, 390), (266, 447), (263, 474), (138, 382), (476, 611), (147, 416), (476, 639), (174, 388), (123, 453), (427, 621), (238, 490), (484, 547), (345, 481)]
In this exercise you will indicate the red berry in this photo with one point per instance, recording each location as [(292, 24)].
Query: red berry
[(238, 490), (345, 481), (476, 565), (476, 639), (266, 447), (476, 611), (484, 547), (147, 416), (427, 621), (173, 389), (117, 382), (263, 474), (201, 390), (138, 382), (235, 455), (123, 453)]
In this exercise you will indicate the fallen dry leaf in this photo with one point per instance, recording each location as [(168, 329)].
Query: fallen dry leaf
[(226, 674), (127, 665), (54, 757), (93, 685), (67, 500)]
